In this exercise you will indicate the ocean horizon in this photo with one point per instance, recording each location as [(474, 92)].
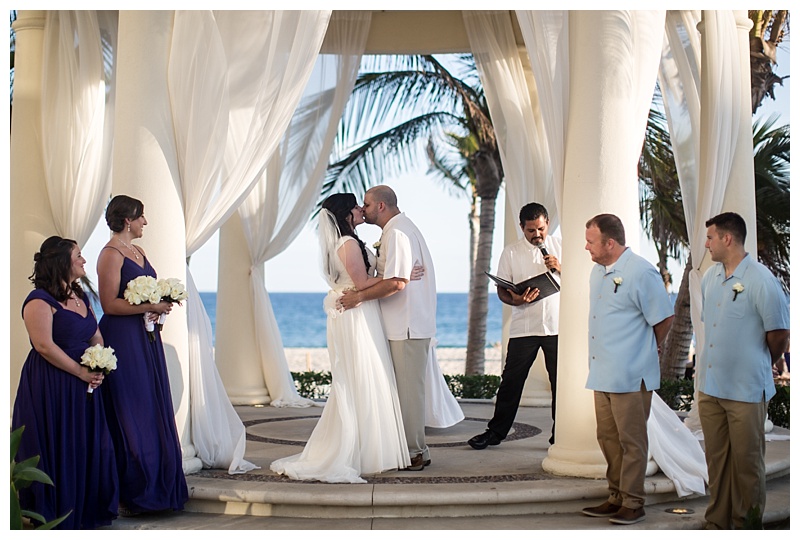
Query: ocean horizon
[(302, 322)]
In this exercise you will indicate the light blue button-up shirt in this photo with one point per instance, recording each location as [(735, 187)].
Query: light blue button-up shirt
[(735, 362), (622, 344)]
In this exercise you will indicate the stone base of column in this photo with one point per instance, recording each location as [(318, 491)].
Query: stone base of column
[(242, 398), (537, 398), (192, 465), (581, 463)]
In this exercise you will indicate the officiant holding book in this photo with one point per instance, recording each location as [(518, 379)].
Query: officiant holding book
[(534, 320)]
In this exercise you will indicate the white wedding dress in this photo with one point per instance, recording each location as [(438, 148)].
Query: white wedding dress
[(360, 431)]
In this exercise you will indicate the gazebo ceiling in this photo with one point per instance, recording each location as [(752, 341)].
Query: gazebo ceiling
[(420, 32)]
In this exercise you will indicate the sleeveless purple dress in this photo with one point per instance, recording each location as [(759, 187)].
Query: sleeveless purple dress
[(66, 429), (139, 410)]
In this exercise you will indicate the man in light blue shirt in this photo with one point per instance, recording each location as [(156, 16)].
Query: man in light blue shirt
[(629, 317), (746, 321)]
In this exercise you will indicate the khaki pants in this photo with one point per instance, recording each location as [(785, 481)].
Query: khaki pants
[(735, 447), (622, 435), (410, 359)]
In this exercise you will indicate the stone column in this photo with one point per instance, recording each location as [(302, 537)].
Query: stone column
[(237, 352), (31, 220), (607, 117), (146, 167), (740, 196)]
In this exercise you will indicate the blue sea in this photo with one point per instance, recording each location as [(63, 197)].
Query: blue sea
[(302, 321)]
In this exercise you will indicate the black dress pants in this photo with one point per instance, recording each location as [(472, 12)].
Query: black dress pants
[(521, 354)]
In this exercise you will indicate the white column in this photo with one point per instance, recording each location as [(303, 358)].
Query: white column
[(604, 138), (146, 167), (740, 195), (237, 353), (31, 221)]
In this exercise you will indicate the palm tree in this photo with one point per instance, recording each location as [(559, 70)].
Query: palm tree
[(663, 220), (763, 52), (771, 163), (420, 109)]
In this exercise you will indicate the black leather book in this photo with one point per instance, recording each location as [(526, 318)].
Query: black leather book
[(545, 282)]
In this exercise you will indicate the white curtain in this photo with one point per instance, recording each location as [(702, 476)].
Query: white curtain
[(235, 79), (546, 36), (278, 207), (514, 106), (704, 165), (78, 117)]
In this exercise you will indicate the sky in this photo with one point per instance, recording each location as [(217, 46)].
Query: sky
[(441, 217)]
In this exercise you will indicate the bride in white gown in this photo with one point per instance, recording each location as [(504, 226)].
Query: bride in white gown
[(360, 431)]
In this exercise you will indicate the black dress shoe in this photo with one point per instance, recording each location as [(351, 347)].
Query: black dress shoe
[(479, 442)]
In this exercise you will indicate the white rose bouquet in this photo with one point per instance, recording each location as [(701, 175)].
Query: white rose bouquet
[(143, 289), (98, 358), (173, 291)]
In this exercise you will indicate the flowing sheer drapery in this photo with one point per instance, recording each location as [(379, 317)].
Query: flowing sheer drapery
[(514, 106), (78, 117), (704, 165), (234, 79), (279, 205), (546, 36)]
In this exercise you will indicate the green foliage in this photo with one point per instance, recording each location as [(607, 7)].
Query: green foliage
[(312, 384), (317, 385), (778, 408), (677, 393), (473, 386), (23, 474)]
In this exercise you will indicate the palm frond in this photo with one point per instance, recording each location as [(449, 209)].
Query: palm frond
[(389, 153)]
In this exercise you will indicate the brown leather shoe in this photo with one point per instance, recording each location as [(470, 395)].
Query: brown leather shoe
[(417, 463), (627, 516), (606, 509)]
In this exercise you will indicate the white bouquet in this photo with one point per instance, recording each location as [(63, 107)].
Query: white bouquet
[(143, 289), (173, 291), (99, 358)]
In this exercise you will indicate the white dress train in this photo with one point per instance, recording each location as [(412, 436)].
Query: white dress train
[(360, 431), (676, 450), (441, 408)]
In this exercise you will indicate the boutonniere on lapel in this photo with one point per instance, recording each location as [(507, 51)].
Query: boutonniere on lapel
[(737, 289), (617, 283), (377, 246)]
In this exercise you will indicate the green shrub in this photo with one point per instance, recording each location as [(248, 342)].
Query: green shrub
[(778, 408), (312, 384), (677, 393), (317, 385), (473, 386)]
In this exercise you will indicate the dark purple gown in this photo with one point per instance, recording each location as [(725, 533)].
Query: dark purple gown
[(66, 429), (139, 410)]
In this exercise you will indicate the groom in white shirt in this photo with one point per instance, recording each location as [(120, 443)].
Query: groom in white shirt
[(408, 309)]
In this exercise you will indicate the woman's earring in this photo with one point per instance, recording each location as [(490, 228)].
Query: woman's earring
[(129, 227)]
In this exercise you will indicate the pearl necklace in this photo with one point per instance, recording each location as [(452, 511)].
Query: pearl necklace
[(73, 297), (134, 251)]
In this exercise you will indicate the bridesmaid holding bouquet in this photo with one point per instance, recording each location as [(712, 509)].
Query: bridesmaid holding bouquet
[(138, 402), (67, 430)]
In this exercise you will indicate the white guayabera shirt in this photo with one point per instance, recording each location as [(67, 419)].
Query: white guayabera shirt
[(518, 262), (410, 313)]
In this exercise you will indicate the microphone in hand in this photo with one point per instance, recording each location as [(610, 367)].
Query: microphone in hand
[(545, 254)]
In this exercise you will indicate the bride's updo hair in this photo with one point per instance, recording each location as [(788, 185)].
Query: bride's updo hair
[(340, 205), (121, 208)]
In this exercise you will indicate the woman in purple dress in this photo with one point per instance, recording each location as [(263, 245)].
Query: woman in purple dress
[(62, 426), (138, 400)]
